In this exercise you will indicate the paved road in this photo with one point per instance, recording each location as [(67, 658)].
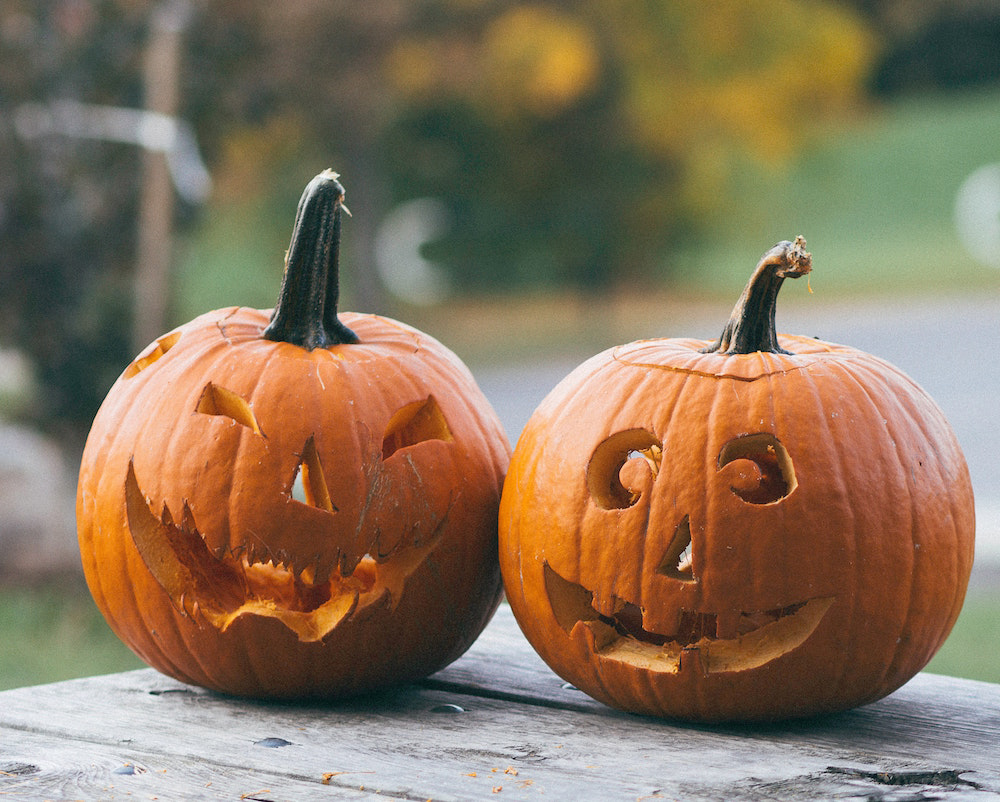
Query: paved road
[(950, 346)]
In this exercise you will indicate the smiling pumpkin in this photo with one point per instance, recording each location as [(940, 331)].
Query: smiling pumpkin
[(293, 503), (755, 528), (310, 588), (761, 472)]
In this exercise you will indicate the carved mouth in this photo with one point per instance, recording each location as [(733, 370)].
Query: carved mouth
[(223, 588), (297, 574), (703, 642)]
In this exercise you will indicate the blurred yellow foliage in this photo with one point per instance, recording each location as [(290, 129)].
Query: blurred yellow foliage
[(695, 83), (250, 155), (537, 59), (659, 102), (706, 84), (420, 68), (527, 59), (736, 74)]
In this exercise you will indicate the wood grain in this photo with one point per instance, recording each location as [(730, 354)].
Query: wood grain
[(496, 724)]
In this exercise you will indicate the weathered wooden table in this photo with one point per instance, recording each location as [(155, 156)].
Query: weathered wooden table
[(497, 724)]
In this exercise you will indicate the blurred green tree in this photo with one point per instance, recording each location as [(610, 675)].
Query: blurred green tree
[(66, 211), (934, 44), (68, 204)]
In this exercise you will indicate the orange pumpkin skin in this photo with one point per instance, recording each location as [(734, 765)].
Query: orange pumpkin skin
[(212, 568), (774, 535)]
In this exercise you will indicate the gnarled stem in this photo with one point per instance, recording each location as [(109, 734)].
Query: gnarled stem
[(751, 325), (306, 311)]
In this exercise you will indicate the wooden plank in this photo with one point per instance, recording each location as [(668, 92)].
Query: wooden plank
[(37, 767), (932, 715), (466, 732), (501, 664), (400, 748), (397, 748)]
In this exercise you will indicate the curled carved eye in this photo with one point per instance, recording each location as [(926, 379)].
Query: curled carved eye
[(761, 469), (618, 465)]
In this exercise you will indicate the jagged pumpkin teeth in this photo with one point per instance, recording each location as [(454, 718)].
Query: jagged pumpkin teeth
[(296, 482), (761, 527)]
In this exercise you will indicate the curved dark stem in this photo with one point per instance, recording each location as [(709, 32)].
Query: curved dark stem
[(306, 311), (751, 325)]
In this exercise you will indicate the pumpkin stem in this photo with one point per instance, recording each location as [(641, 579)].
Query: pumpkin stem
[(751, 325), (306, 311)]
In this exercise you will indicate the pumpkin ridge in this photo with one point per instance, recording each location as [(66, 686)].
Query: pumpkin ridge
[(915, 419), (850, 538), (848, 373), (230, 540), (220, 322)]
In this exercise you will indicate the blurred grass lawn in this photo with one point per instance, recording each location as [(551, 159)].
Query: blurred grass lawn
[(971, 649), (875, 201), (52, 633)]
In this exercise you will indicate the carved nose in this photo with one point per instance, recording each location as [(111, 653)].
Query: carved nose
[(677, 561)]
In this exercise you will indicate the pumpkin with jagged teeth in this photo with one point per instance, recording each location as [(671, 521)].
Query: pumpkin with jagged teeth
[(294, 503)]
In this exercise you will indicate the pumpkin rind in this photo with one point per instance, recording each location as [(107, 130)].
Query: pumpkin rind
[(829, 590), (208, 566)]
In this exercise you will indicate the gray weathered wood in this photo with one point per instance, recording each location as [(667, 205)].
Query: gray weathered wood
[(496, 724)]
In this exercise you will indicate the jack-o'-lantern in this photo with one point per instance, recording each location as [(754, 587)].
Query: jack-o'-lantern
[(761, 527), (294, 503)]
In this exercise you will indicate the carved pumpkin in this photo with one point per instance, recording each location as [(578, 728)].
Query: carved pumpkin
[(758, 528), (294, 504)]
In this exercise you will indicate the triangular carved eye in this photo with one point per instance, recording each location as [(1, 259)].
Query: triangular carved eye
[(309, 485), (217, 400), (676, 562), (415, 423)]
